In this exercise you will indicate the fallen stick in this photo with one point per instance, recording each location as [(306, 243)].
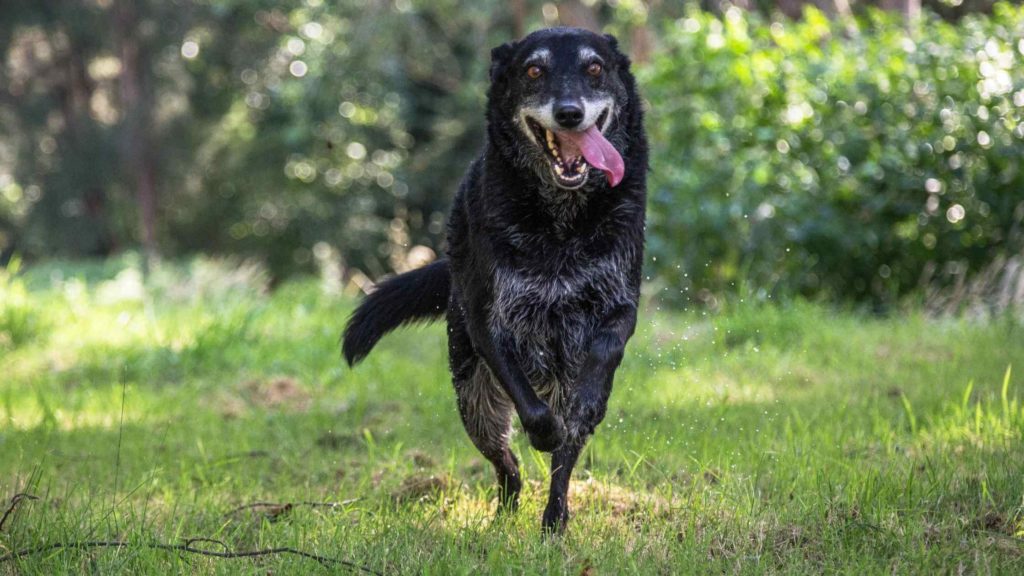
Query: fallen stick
[(187, 547)]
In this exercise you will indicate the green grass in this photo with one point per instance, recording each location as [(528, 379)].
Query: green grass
[(791, 439)]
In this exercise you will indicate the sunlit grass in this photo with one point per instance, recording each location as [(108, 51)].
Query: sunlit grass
[(785, 439)]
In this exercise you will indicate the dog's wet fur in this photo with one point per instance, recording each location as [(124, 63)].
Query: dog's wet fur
[(542, 276)]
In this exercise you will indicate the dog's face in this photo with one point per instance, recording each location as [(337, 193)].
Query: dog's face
[(560, 93)]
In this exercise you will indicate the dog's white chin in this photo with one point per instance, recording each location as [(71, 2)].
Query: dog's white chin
[(569, 184)]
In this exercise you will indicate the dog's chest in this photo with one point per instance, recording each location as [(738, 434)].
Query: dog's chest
[(551, 311)]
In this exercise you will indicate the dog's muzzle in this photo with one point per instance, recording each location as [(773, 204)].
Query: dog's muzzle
[(572, 151)]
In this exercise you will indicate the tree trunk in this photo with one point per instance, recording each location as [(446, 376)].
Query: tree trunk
[(574, 13), (77, 140), (641, 41), (518, 18), (909, 8), (791, 8), (136, 106)]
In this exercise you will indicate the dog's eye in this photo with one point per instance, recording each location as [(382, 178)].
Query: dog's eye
[(594, 69), (534, 72)]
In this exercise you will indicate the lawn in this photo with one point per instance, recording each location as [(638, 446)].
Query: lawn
[(791, 438)]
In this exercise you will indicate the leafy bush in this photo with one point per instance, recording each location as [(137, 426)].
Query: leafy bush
[(847, 159)]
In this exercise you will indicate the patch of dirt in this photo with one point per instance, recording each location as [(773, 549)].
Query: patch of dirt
[(274, 393), (933, 534), (720, 546), (230, 406), (422, 459), (994, 521), (839, 514), (477, 468), (787, 537), (421, 487), (1006, 545), (279, 392), (382, 413), (620, 501), (332, 440)]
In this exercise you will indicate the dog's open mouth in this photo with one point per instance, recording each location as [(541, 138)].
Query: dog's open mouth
[(572, 153)]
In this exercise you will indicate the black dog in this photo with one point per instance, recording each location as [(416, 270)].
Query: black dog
[(545, 237)]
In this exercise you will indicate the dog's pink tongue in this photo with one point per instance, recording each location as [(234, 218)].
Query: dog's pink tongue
[(599, 153)]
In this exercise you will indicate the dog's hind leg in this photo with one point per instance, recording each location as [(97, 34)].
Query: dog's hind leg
[(485, 409), (487, 415)]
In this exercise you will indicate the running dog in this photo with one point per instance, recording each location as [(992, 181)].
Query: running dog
[(545, 245)]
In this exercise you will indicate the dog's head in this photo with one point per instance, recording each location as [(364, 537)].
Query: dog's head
[(561, 104)]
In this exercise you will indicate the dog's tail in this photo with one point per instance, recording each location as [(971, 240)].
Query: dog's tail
[(420, 295)]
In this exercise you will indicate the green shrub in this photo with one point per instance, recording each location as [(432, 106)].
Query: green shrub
[(845, 159)]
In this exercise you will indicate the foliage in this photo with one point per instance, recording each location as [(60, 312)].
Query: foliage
[(280, 126), (770, 439), (838, 159), (855, 159), (312, 147), (19, 319)]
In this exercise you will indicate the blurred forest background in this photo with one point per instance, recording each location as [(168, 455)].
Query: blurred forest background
[(849, 150)]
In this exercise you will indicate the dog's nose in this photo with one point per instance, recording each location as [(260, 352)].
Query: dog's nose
[(568, 114)]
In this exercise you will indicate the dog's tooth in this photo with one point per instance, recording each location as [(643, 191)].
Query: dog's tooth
[(558, 168), (552, 147)]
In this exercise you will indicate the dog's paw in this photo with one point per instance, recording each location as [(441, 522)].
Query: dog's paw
[(546, 433), (555, 519)]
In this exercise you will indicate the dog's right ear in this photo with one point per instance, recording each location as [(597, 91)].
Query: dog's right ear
[(500, 57)]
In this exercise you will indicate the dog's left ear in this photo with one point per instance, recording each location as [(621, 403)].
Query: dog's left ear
[(620, 59), (500, 57)]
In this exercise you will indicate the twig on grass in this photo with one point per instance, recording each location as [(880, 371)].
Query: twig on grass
[(191, 541), (278, 508), (188, 547), (15, 500)]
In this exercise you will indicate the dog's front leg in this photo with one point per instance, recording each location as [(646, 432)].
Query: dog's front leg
[(594, 383), (544, 428), (590, 401)]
